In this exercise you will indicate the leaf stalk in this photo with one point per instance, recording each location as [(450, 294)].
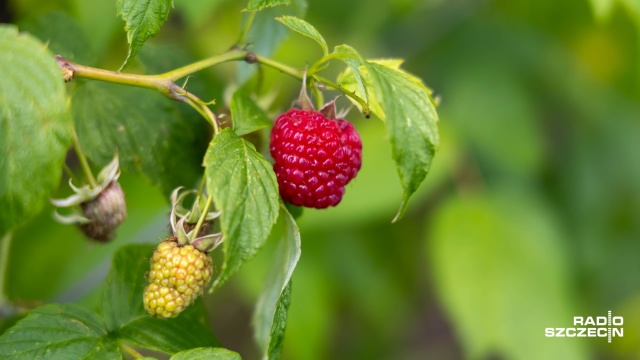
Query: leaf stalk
[(83, 162)]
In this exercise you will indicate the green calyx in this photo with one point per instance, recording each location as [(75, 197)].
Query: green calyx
[(188, 225), (85, 194)]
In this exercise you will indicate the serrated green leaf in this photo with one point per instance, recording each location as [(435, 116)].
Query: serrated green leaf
[(412, 123), (190, 329), (279, 325), (247, 115), (283, 266), (350, 79), (35, 126), (257, 5), (143, 19), (244, 188), (266, 34), (207, 354), (304, 28), (59, 331), (125, 314), (148, 131), (122, 297), (504, 260), (406, 106)]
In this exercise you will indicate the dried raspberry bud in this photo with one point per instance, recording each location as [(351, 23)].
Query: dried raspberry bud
[(105, 213), (178, 275), (103, 207)]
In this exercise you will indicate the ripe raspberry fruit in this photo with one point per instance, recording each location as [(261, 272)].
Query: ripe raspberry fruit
[(315, 157), (177, 277)]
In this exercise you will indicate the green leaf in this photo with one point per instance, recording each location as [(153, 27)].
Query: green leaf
[(35, 126), (59, 331), (122, 297), (266, 34), (247, 115), (304, 28), (350, 79), (149, 133), (125, 314), (206, 354), (350, 56), (406, 106), (276, 341), (412, 123), (63, 36), (502, 276), (284, 264), (143, 19), (244, 188), (257, 5)]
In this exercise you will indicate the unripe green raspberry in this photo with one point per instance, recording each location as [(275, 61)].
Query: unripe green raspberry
[(177, 277)]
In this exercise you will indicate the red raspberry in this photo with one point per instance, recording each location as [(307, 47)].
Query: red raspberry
[(315, 157)]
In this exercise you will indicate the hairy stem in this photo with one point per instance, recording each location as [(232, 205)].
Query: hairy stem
[(83, 162)]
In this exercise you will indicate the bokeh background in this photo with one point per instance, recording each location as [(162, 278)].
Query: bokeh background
[(529, 216)]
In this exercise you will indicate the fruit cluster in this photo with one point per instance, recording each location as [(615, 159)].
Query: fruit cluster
[(177, 277)]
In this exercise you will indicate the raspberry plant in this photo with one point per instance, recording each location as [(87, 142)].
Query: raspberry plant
[(241, 195)]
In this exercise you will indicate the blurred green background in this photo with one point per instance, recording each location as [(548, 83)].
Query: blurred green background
[(530, 215)]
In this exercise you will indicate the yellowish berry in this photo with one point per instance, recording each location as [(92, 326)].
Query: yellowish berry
[(178, 275)]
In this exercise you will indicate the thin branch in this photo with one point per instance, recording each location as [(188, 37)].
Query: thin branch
[(5, 245), (179, 73), (83, 161)]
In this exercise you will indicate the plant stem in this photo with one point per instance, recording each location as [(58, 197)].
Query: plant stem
[(5, 245), (317, 96), (203, 216), (83, 162), (203, 182), (165, 83), (131, 351), (330, 84), (299, 74), (176, 74), (161, 83), (247, 27)]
